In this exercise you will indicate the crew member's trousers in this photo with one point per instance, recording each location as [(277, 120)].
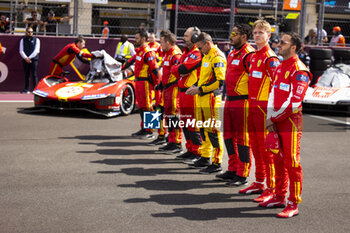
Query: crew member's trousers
[(144, 98), (264, 164), (236, 136), (188, 112), (287, 163), (171, 110), (55, 69), (209, 113)]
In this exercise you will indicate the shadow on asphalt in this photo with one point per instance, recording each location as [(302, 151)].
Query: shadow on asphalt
[(114, 144), (97, 137), (134, 161), (58, 113), (191, 199), (120, 152), (198, 214), (139, 171), (173, 185)]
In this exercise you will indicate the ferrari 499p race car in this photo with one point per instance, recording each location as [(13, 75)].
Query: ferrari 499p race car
[(331, 91), (105, 90)]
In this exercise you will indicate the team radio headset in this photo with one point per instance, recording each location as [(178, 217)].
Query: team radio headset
[(195, 34)]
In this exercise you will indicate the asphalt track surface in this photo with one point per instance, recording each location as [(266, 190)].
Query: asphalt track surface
[(75, 172)]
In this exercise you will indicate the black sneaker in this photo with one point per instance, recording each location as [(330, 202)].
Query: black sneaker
[(201, 162), (228, 175), (160, 140), (147, 135), (237, 181), (166, 147), (25, 91), (185, 155), (175, 149), (138, 133), (211, 169), (192, 159)]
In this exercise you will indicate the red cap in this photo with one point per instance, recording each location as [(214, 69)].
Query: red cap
[(337, 28), (105, 22), (272, 142)]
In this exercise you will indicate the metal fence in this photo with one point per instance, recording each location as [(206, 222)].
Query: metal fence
[(213, 16)]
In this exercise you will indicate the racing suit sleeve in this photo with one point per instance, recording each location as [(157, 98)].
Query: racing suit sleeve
[(193, 62), (151, 60), (218, 65), (129, 62), (271, 67), (77, 51), (246, 61), (298, 87), (175, 59)]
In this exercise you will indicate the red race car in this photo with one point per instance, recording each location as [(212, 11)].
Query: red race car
[(105, 90)]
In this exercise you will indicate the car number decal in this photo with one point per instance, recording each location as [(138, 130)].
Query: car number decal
[(66, 92)]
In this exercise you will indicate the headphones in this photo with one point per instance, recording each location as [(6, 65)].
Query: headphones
[(195, 34)]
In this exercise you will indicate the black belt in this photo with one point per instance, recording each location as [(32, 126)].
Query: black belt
[(169, 84), (56, 62), (142, 79), (183, 89), (237, 97), (215, 92)]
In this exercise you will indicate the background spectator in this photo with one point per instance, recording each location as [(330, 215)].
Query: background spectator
[(125, 50), (105, 30), (337, 38), (4, 24), (311, 39), (51, 22), (34, 22), (324, 38), (29, 49)]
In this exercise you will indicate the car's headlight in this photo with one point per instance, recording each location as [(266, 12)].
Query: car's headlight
[(40, 93), (92, 97)]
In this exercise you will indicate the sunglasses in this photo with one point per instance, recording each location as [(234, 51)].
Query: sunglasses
[(29, 31), (283, 42), (233, 34)]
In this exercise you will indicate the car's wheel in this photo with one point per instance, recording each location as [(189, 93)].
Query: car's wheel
[(318, 53), (342, 61), (341, 54), (318, 64), (127, 103)]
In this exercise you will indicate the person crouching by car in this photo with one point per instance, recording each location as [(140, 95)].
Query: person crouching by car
[(67, 54)]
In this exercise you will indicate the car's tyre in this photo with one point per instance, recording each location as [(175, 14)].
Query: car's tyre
[(342, 61), (318, 64), (341, 54), (318, 53), (127, 103), (315, 75)]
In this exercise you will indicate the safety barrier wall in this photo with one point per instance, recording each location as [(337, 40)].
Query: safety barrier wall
[(11, 70)]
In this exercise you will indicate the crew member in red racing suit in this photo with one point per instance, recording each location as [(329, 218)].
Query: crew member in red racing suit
[(284, 116), (187, 73), (236, 107), (158, 94), (261, 72), (146, 76), (67, 54), (171, 56)]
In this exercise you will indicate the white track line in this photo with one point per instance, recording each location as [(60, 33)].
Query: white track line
[(328, 119)]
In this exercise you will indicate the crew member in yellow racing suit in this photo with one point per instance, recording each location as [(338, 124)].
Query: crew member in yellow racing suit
[(212, 76)]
